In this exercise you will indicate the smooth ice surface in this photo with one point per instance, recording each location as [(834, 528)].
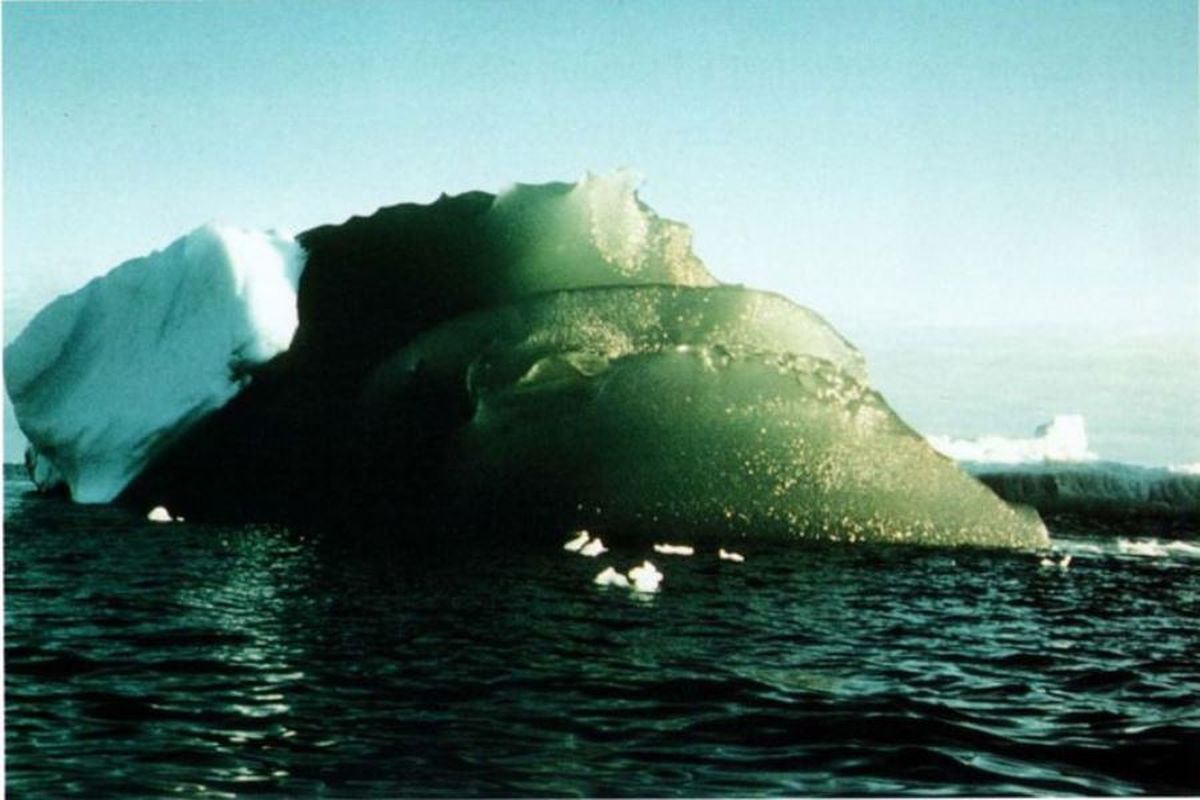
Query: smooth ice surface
[(104, 378), (1064, 439)]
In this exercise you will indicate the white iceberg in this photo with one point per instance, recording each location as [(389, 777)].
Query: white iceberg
[(105, 378), (1064, 439)]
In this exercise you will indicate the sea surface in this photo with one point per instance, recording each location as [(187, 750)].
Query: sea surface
[(179, 659)]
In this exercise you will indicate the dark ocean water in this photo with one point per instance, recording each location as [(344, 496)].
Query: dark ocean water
[(195, 660)]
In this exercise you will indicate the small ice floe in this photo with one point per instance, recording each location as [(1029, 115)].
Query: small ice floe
[(726, 555), (645, 578), (1142, 547), (1050, 561), (159, 514), (1183, 548), (576, 544), (610, 577), (593, 548), (675, 549)]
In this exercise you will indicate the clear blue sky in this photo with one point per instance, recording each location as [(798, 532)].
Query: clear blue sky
[(980, 163)]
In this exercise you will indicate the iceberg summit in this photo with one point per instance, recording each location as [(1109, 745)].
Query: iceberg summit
[(551, 358)]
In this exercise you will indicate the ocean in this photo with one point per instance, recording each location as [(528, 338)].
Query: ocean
[(197, 660)]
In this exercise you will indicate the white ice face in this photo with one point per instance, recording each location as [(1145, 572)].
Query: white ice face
[(104, 378), (1064, 439)]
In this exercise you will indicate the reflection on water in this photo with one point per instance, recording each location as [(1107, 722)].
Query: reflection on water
[(216, 661)]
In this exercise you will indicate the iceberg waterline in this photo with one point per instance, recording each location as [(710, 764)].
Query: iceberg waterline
[(555, 356)]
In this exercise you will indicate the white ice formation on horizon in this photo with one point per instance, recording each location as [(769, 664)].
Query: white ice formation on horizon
[(726, 555), (1064, 439), (105, 378)]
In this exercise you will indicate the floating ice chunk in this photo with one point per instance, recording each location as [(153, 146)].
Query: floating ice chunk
[(576, 544), (675, 549), (1184, 548), (103, 380), (1142, 547), (1185, 469), (726, 555), (1064, 439), (610, 577), (1050, 562), (159, 514), (645, 578), (593, 548)]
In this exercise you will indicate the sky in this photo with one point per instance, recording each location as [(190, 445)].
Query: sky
[(889, 164)]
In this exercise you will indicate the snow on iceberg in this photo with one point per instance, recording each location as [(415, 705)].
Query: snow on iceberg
[(105, 378), (1063, 439)]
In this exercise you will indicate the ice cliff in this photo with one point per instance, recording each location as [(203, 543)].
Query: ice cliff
[(105, 379), (551, 358)]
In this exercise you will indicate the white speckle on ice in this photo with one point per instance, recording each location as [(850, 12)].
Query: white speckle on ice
[(726, 555), (105, 378), (675, 549)]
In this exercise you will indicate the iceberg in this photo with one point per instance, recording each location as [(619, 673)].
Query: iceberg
[(107, 378), (1063, 439), (1056, 472), (552, 358)]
